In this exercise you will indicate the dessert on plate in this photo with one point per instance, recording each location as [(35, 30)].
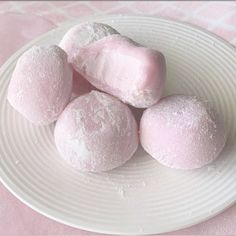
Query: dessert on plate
[(97, 131)]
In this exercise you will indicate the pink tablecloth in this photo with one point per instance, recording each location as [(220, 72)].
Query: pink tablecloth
[(16, 219)]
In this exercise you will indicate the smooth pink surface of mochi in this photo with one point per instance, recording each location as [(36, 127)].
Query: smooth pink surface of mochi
[(119, 66), (41, 84), (96, 132), (181, 132)]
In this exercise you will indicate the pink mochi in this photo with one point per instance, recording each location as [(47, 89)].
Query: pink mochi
[(119, 66), (41, 84), (80, 85), (96, 132), (182, 133)]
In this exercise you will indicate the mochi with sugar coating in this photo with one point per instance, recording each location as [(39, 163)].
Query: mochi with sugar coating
[(41, 84), (96, 132), (182, 132), (116, 64)]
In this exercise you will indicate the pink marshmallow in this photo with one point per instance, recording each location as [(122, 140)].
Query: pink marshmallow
[(119, 66), (41, 84), (181, 132), (96, 132)]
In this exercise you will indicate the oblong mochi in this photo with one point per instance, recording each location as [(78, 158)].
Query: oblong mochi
[(181, 132), (41, 84), (119, 66), (96, 132)]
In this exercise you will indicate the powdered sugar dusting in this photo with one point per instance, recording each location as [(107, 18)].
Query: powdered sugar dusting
[(141, 98), (182, 111), (121, 192), (82, 35)]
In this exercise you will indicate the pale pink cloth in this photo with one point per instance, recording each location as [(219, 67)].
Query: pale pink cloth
[(16, 219)]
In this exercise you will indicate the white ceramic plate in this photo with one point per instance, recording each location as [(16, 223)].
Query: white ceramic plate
[(141, 197)]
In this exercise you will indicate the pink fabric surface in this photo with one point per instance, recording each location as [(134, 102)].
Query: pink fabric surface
[(33, 18), (17, 29)]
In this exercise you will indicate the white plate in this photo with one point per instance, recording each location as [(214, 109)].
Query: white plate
[(141, 197)]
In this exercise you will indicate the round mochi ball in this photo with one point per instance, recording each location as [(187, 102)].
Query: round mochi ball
[(96, 132), (182, 133), (41, 84), (82, 35)]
